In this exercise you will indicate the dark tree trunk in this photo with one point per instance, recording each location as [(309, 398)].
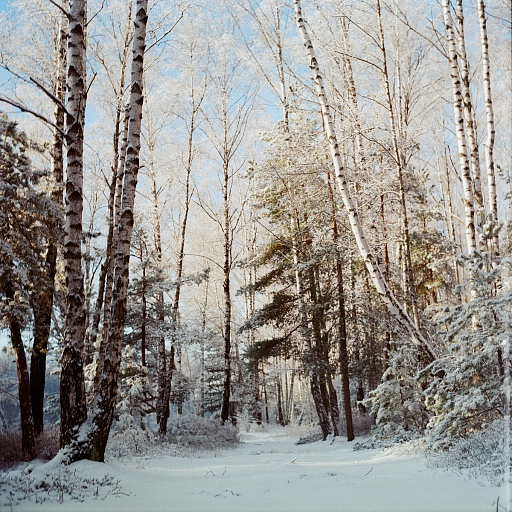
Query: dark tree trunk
[(27, 422), (43, 306), (280, 416), (42, 324), (165, 407), (226, 393), (334, 408), (342, 322)]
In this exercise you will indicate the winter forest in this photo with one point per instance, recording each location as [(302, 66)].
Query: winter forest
[(240, 221)]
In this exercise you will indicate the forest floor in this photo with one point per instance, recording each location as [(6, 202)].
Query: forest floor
[(269, 472)]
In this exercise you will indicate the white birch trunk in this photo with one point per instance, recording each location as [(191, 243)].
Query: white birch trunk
[(489, 113), (72, 388), (461, 134), (394, 307), (469, 116), (105, 403), (94, 436)]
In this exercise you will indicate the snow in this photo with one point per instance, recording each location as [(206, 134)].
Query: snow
[(269, 472)]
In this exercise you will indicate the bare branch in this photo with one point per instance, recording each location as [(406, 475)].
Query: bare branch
[(27, 110), (166, 33), (49, 94), (66, 13), (96, 14)]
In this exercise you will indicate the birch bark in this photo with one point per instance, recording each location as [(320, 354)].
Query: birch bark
[(469, 115), (382, 287), (93, 437), (489, 113), (461, 134), (119, 146), (72, 385), (105, 402)]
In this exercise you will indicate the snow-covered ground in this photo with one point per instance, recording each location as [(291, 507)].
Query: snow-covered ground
[(269, 472)]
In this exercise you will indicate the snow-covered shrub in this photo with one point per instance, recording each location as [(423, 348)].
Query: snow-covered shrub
[(480, 455), (56, 484), (388, 436), (133, 386), (397, 403), (202, 433), (468, 391), (129, 440)]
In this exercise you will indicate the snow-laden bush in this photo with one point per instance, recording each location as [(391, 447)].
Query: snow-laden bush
[(55, 483), (202, 433), (397, 403), (469, 389), (480, 455), (129, 440), (387, 436)]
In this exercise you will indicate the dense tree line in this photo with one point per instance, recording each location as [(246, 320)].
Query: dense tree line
[(266, 209)]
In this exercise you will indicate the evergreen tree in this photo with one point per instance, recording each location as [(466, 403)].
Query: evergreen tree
[(26, 215)]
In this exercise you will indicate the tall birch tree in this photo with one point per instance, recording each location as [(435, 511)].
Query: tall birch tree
[(395, 308), (72, 387)]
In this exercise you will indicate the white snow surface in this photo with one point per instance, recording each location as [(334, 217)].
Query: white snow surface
[(269, 472)]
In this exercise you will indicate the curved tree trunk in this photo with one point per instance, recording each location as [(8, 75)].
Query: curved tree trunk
[(119, 143), (104, 406), (107, 272), (382, 287)]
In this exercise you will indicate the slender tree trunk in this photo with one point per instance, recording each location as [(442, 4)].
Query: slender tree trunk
[(469, 115), (119, 144), (410, 289), (202, 355), (461, 134), (382, 287), (168, 369), (279, 392), (106, 278), (143, 326), (226, 394), (27, 421), (72, 383), (44, 304), (342, 324), (351, 89), (489, 113)]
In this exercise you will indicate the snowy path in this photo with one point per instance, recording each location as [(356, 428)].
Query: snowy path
[(268, 473)]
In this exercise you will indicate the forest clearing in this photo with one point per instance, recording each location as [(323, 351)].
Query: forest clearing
[(269, 471)]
